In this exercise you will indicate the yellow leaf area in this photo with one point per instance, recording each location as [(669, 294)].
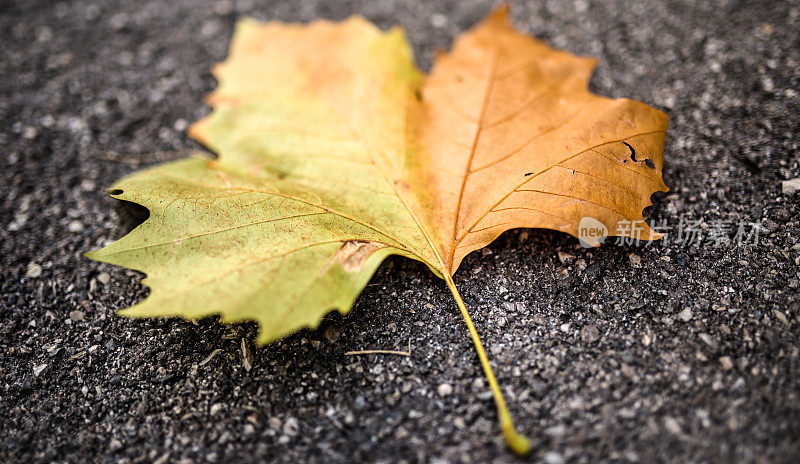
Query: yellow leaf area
[(335, 152)]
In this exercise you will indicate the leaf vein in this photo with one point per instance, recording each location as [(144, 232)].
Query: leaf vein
[(219, 231)]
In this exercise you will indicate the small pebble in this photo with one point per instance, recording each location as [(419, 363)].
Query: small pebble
[(180, 125), (685, 315), (331, 334), (444, 389), (635, 260), (34, 270), (553, 457), (37, 370), (781, 317), (87, 185), (726, 363), (791, 186), (708, 340), (77, 315), (75, 226), (438, 20), (627, 371), (590, 333), (672, 425), (565, 257), (104, 278), (360, 403), (274, 423), (216, 407), (29, 132), (291, 427)]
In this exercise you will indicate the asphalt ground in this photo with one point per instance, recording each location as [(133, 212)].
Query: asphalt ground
[(674, 352)]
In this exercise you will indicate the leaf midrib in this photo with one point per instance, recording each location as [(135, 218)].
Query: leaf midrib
[(476, 138)]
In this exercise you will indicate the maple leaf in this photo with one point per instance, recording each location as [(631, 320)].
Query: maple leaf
[(335, 152)]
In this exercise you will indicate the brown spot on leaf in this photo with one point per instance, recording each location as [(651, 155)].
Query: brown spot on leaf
[(353, 254)]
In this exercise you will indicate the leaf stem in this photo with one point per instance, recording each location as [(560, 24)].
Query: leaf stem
[(517, 442)]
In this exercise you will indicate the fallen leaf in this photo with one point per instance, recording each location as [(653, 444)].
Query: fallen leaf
[(335, 152)]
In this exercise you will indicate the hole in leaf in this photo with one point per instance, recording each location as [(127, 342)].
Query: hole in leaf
[(633, 151)]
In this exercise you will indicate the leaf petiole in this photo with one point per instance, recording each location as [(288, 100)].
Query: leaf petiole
[(517, 442)]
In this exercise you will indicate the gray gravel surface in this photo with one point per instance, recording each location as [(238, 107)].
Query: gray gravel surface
[(666, 353)]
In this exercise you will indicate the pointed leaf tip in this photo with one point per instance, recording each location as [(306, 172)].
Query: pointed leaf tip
[(500, 13)]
